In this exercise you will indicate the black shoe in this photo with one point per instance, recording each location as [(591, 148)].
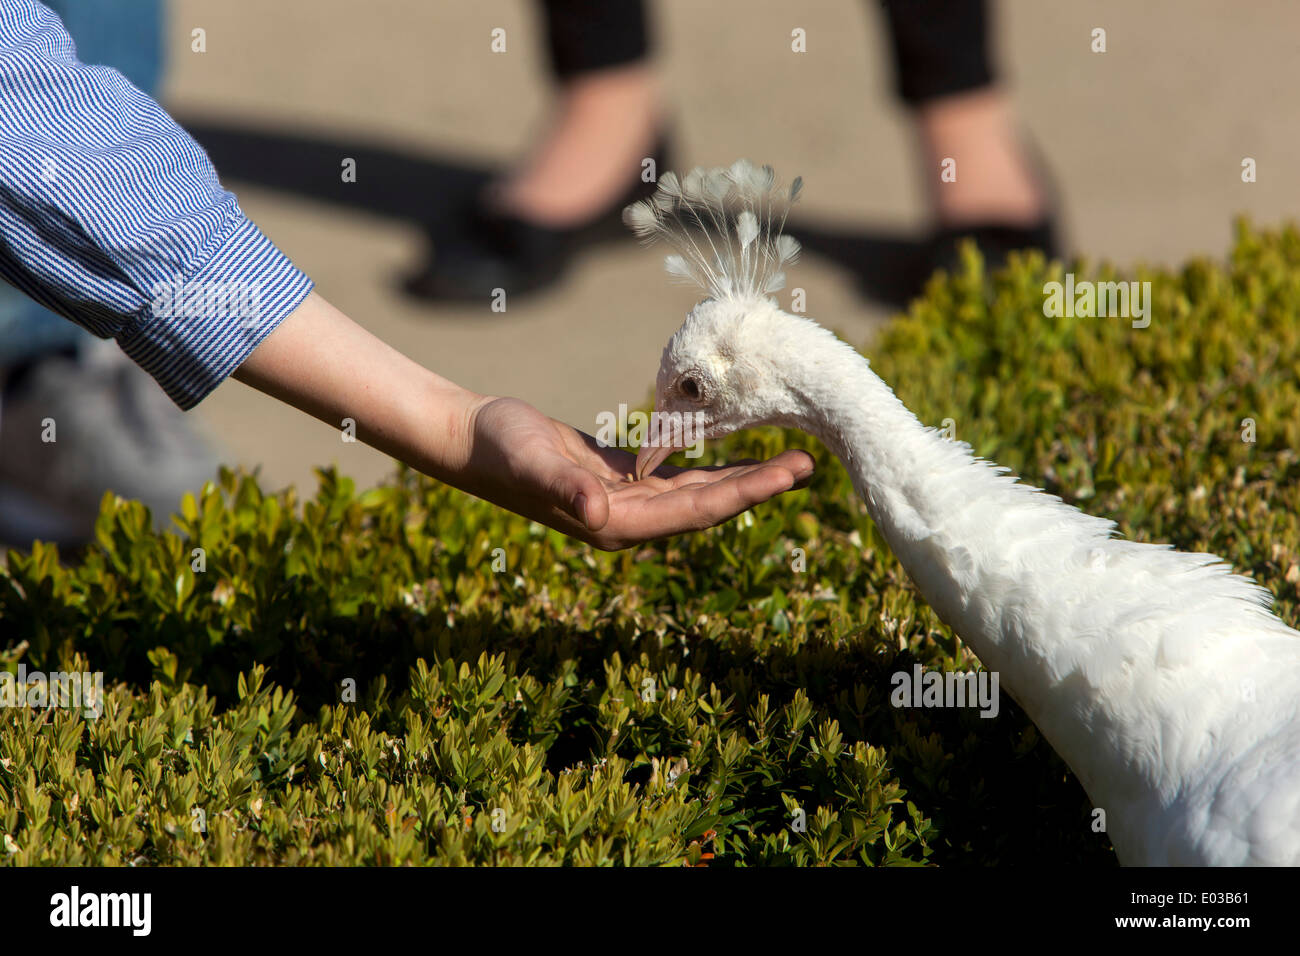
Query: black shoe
[(995, 243), (484, 251), (995, 240)]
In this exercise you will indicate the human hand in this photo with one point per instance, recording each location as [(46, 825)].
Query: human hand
[(548, 471)]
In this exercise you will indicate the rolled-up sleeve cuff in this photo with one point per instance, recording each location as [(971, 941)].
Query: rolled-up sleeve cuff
[(199, 328)]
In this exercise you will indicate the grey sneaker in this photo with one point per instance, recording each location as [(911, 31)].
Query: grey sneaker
[(113, 430)]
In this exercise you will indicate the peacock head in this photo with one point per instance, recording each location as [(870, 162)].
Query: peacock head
[(720, 371)]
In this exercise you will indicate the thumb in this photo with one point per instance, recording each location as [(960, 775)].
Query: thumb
[(579, 493)]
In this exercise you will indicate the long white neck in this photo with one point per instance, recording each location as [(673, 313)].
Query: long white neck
[(1132, 659)]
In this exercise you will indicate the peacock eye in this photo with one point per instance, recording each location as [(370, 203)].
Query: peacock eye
[(690, 388)]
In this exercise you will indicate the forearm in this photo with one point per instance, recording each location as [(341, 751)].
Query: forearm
[(321, 362)]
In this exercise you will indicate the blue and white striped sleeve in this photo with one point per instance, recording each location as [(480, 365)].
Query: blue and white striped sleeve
[(111, 215)]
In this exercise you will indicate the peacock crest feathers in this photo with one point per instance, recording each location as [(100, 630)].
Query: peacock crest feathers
[(725, 225)]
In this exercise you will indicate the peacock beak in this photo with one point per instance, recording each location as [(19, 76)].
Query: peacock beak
[(649, 458), (662, 439)]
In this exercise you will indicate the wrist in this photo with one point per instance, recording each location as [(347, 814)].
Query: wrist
[(446, 450)]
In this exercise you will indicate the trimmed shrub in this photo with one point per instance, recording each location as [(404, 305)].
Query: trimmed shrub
[(347, 679)]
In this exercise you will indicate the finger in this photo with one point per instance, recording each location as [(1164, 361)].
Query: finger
[(672, 476), (799, 463), (715, 503), (725, 499), (702, 505)]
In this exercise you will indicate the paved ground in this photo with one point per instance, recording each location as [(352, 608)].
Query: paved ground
[(1145, 140)]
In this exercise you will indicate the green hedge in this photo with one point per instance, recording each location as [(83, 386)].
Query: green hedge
[(676, 705)]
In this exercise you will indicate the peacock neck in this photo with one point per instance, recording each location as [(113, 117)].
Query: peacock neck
[(903, 470), (1105, 643), (986, 552)]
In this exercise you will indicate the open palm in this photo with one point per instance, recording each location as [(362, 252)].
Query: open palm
[(536, 466)]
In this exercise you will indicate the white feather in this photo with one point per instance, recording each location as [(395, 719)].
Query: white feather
[(716, 185), (677, 267), (725, 226), (693, 184), (787, 249), (746, 228), (641, 219)]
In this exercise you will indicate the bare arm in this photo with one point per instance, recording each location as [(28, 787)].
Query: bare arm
[(323, 363)]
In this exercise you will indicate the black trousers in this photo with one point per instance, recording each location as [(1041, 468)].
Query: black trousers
[(939, 47)]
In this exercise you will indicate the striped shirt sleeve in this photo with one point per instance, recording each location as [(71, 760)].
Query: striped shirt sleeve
[(111, 215)]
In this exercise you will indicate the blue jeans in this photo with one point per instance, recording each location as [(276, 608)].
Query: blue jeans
[(123, 34)]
